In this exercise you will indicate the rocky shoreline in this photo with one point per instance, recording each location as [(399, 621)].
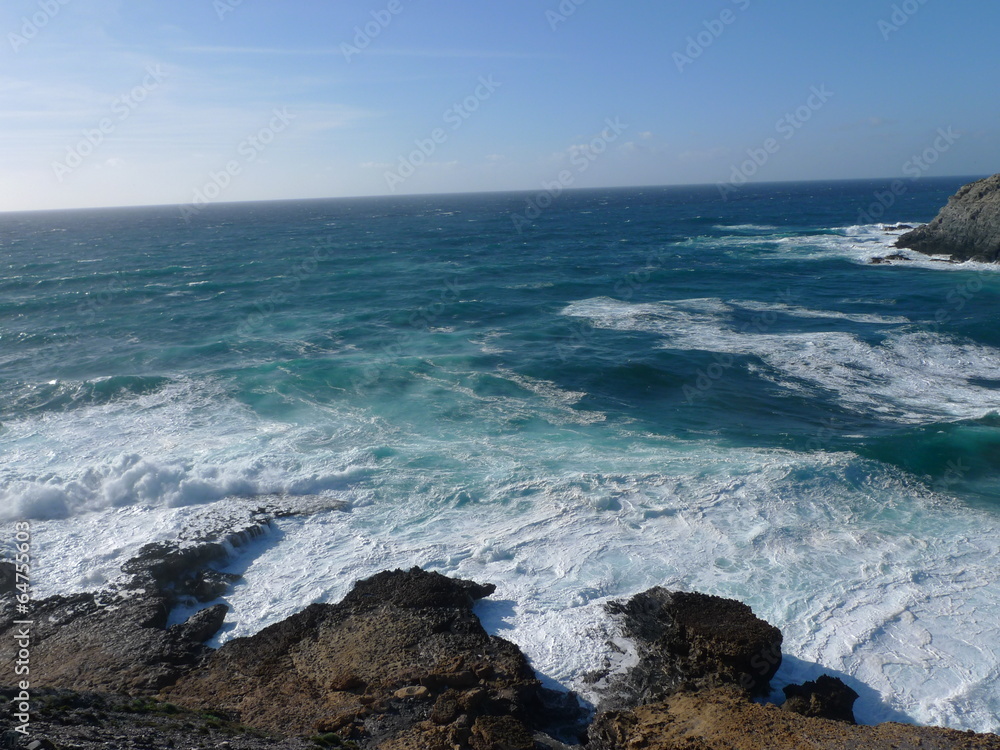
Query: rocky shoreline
[(968, 228), (403, 662)]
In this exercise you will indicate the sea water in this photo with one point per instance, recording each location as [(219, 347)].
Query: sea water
[(627, 388)]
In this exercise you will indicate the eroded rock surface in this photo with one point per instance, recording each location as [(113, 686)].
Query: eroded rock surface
[(695, 641), (723, 719), (401, 662), (968, 228), (118, 641)]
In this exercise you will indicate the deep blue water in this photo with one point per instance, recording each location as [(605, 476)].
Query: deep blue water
[(640, 386)]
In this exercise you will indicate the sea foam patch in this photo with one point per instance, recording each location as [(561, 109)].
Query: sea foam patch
[(878, 580), (909, 377)]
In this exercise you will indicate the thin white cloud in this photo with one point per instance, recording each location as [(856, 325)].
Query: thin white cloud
[(380, 52), (224, 50)]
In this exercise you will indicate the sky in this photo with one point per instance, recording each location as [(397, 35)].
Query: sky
[(139, 102)]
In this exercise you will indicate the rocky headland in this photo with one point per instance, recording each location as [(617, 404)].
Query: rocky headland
[(403, 662), (968, 228)]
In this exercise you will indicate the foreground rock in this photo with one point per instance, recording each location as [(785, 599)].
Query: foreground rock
[(694, 641), (70, 720), (723, 719), (401, 662), (118, 640), (825, 698), (702, 659), (968, 228)]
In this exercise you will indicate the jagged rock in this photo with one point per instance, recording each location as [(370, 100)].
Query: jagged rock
[(69, 720), (8, 578), (695, 640), (887, 258), (825, 698), (401, 662), (968, 228), (723, 719), (118, 641)]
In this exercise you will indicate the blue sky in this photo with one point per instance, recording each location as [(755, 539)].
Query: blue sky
[(108, 102)]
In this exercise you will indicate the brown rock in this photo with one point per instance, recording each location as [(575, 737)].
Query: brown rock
[(687, 639), (415, 691), (391, 632), (723, 719), (825, 698)]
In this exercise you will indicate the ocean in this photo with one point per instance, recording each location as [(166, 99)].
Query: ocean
[(575, 397)]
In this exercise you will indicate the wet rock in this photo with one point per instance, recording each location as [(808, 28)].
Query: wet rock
[(430, 674), (825, 698), (888, 258), (968, 228), (118, 640), (723, 719), (694, 641), (8, 578)]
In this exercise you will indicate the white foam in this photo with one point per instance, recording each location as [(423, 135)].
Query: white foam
[(746, 227), (183, 444), (865, 571), (852, 574), (864, 242), (911, 377)]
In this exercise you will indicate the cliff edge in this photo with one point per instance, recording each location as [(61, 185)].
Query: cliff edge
[(968, 228)]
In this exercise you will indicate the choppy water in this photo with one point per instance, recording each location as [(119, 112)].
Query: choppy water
[(643, 387)]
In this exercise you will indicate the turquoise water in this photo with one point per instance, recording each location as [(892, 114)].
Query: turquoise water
[(641, 387)]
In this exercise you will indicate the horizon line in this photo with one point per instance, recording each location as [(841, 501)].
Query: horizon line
[(478, 192)]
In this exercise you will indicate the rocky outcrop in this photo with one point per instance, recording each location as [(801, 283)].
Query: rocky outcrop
[(119, 640), (968, 228), (825, 698), (401, 662), (723, 719), (701, 659), (70, 720), (693, 641)]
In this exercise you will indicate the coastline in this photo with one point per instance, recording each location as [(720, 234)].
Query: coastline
[(403, 661)]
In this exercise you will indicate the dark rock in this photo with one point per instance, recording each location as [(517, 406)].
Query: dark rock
[(825, 698), (392, 632), (8, 578), (888, 258), (692, 640), (723, 719), (70, 720), (202, 625), (118, 640), (968, 228)]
